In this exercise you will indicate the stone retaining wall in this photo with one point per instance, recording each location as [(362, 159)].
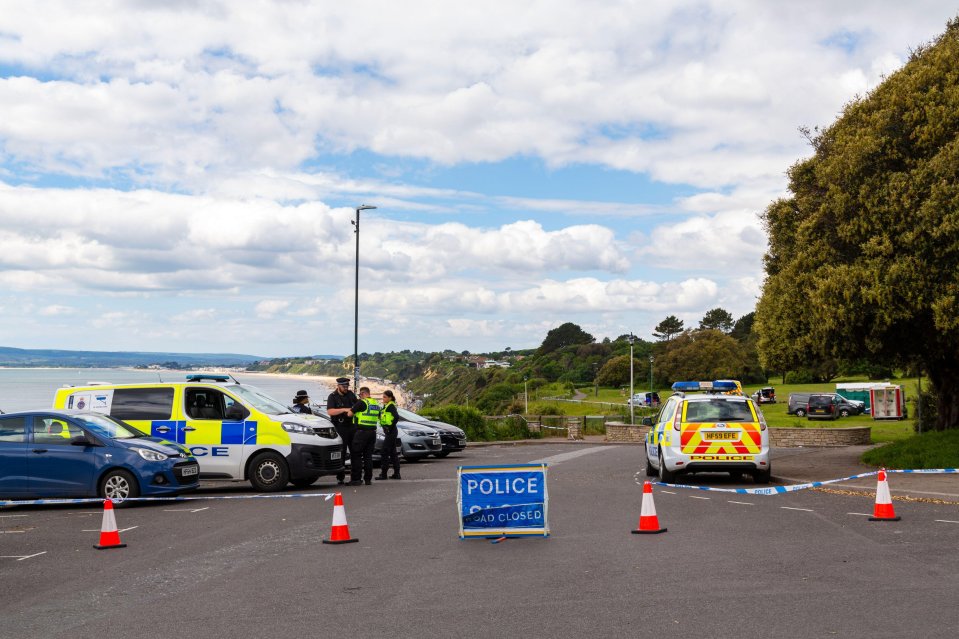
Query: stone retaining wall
[(778, 437)]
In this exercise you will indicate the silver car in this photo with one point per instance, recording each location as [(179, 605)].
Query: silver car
[(419, 440)]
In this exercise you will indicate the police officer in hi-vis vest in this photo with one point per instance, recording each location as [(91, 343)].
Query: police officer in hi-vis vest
[(366, 417), (388, 419)]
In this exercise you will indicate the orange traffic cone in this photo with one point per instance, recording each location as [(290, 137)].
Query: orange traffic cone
[(340, 534), (648, 521), (109, 535), (883, 510)]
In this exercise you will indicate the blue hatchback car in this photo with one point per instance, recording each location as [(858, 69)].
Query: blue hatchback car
[(64, 453)]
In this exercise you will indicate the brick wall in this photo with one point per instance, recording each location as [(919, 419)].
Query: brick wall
[(778, 437)]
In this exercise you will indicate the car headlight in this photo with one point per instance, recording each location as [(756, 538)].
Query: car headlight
[(416, 433), (292, 427), (150, 455)]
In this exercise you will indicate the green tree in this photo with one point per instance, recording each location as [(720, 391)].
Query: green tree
[(615, 372), (669, 327), (863, 258), (705, 354), (564, 335), (718, 319)]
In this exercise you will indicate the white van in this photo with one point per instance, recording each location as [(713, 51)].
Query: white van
[(235, 431)]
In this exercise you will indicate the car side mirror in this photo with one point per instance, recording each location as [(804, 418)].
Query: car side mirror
[(647, 421)]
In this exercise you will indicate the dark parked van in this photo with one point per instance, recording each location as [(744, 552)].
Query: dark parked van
[(845, 407), (822, 407), (797, 404)]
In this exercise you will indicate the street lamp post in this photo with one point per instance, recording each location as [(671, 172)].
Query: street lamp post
[(526, 393), (356, 299), (650, 380), (631, 418)]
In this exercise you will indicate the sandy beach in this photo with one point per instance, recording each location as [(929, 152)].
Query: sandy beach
[(328, 382)]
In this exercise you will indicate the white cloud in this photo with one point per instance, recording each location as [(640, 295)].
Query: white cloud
[(267, 309)]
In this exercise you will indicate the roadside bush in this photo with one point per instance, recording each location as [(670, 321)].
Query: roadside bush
[(802, 376), (544, 408), (469, 419), (926, 411)]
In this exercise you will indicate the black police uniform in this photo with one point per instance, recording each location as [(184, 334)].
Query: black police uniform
[(343, 423), (388, 421)]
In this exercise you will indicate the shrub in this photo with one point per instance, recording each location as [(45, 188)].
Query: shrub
[(469, 419)]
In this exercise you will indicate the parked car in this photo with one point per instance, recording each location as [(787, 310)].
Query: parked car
[(320, 411), (798, 401), (452, 437), (69, 453), (822, 407), (765, 395)]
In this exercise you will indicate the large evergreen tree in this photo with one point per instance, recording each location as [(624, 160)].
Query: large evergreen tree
[(669, 327), (863, 258), (565, 335), (717, 319)]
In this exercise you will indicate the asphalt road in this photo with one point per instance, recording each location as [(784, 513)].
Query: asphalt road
[(804, 564)]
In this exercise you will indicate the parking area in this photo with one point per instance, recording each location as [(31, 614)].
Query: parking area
[(220, 567)]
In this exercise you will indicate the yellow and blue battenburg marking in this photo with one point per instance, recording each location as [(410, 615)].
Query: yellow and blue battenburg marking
[(230, 432)]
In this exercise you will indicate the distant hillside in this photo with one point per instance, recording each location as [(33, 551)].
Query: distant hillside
[(50, 357)]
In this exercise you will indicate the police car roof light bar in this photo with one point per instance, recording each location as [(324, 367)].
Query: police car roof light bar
[(199, 377), (717, 386)]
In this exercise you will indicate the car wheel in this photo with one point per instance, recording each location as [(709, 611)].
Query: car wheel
[(118, 485), (442, 454), (304, 482), (650, 471), (762, 476), (800, 412), (844, 412), (665, 476), (268, 472)]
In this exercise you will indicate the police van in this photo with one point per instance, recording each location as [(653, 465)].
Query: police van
[(235, 431), (703, 428)]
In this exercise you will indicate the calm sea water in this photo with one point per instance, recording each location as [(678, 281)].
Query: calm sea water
[(33, 388)]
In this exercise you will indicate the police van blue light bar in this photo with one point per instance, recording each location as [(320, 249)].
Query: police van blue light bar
[(704, 386), (199, 377)]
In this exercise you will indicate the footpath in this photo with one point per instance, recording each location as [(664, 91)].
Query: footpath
[(803, 465)]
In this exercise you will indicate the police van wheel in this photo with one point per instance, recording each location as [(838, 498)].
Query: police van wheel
[(665, 476), (118, 485), (268, 472), (304, 482)]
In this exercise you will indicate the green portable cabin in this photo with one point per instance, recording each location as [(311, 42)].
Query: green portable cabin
[(859, 391)]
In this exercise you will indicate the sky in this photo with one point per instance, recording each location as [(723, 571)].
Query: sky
[(182, 175)]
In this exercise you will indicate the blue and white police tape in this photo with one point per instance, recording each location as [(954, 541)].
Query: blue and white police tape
[(99, 500), (778, 490)]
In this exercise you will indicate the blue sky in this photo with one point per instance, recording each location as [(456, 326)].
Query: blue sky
[(182, 176)]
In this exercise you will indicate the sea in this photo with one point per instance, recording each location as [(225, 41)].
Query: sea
[(33, 388)]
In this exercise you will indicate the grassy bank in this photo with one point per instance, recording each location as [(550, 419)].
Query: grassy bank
[(929, 450)]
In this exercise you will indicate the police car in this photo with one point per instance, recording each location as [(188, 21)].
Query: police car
[(701, 428)]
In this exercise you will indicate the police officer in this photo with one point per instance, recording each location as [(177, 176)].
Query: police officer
[(338, 405), (301, 403), (388, 419), (366, 413)]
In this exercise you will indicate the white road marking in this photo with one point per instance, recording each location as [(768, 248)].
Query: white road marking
[(22, 557), (808, 510), (743, 503), (555, 459), (860, 514), (668, 492), (947, 521), (119, 531), (695, 497), (3, 516), (11, 532), (185, 510)]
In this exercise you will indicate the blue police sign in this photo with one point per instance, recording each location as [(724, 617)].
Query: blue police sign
[(502, 501)]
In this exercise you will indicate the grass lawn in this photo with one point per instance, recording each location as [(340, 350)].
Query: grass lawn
[(929, 450)]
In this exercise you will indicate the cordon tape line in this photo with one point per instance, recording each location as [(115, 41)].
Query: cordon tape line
[(778, 490), (98, 500)]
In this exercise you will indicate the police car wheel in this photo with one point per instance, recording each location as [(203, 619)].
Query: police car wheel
[(118, 485), (268, 472), (650, 471), (762, 476), (665, 475)]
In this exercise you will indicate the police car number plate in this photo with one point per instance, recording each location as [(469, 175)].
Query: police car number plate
[(191, 470), (335, 454), (721, 436)]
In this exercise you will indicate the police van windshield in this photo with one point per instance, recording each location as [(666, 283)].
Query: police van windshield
[(109, 428), (260, 400)]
